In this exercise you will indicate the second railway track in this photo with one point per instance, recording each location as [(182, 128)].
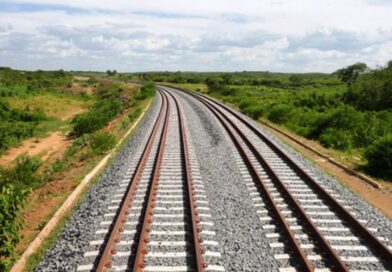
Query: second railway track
[(309, 226)]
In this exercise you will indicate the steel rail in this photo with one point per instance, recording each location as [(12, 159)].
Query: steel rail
[(121, 217), (143, 240), (190, 187), (379, 248), (336, 262), (293, 242), (148, 219)]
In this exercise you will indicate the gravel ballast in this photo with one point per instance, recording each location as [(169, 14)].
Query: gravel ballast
[(239, 232), (242, 240)]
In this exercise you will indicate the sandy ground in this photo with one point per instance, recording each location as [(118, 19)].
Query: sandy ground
[(71, 114), (45, 200), (50, 148), (379, 198)]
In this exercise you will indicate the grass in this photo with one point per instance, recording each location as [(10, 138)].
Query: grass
[(59, 105), (197, 87)]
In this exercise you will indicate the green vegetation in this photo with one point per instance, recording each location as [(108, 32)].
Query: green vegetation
[(21, 115), (148, 90), (17, 124), (15, 183), (34, 103), (16, 83), (102, 142), (98, 117), (372, 91), (350, 110), (379, 155)]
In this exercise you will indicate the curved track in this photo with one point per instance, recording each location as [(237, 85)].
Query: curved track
[(311, 228), (160, 219)]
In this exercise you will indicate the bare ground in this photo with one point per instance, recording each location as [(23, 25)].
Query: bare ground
[(50, 148)]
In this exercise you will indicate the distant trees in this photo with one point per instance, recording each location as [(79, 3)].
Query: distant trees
[(111, 73), (296, 80), (372, 91), (217, 85), (350, 73)]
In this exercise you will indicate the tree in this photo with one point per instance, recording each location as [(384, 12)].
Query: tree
[(372, 91), (350, 73), (295, 80), (111, 73)]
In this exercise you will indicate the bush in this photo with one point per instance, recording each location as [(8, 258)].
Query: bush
[(17, 124), (134, 114), (379, 157), (23, 174), (102, 112), (15, 184), (11, 202), (148, 90), (253, 111), (336, 138), (102, 142), (280, 113)]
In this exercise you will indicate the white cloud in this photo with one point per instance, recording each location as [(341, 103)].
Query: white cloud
[(225, 35)]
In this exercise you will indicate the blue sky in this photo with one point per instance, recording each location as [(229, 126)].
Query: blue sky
[(195, 35)]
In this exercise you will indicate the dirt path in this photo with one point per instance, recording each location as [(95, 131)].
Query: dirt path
[(50, 148), (381, 199)]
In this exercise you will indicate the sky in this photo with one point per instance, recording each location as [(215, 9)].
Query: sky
[(194, 35)]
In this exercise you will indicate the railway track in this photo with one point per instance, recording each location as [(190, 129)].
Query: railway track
[(159, 218), (308, 225)]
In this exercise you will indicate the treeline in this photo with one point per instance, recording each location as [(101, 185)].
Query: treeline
[(268, 79), (14, 83)]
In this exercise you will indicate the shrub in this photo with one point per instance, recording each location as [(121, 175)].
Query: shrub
[(134, 114), (336, 138), (17, 124), (280, 113), (340, 128), (11, 202), (102, 112), (148, 90), (23, 174), (15, 184), (102, 142), (379, 157), (87, 123), (254, 111)]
